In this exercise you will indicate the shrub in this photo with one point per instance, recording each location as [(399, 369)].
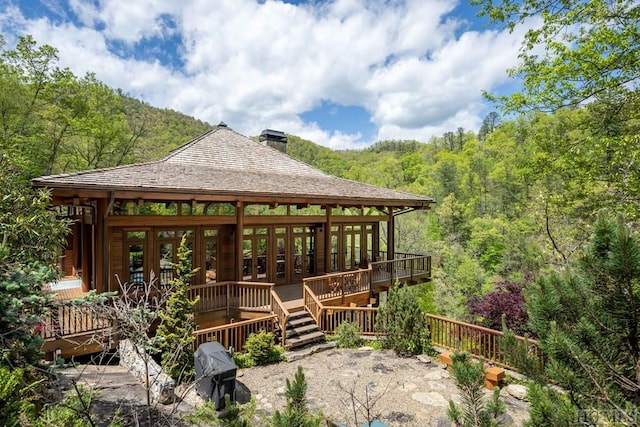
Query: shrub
[(506, 301), (348, 335), (243, 360), (262, 348), (402, 323), (13, 395)]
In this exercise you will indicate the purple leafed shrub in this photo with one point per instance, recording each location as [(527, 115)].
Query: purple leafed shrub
[(508, 300)]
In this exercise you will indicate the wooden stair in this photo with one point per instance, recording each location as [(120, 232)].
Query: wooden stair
[(301, 330)]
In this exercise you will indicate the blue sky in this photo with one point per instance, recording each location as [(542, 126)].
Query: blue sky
[(342, 73)]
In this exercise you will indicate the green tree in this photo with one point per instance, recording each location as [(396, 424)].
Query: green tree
[(587, 320), (296, 414), (30, 240), (590, 48), (402, 323), (474, 410), (175, 333)]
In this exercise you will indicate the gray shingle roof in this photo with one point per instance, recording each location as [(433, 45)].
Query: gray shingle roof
[(224, 162)]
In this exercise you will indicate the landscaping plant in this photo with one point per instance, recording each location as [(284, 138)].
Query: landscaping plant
[(262, 348), (348, 335), (402, 324), (296, 414), (175, 333), (474, 410)]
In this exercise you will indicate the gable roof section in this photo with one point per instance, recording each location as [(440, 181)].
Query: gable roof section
[(224, 162)]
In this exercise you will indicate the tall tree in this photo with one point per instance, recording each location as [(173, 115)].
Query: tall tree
[(590, 47), (588, 322), (30, 240)]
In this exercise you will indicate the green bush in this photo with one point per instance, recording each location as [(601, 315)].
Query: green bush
[(402, 324), (348, 335), (14, 389), (262, 348), (243, 360)]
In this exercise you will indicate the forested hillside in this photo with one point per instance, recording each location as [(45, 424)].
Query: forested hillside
[(513, 200), (52, 121)]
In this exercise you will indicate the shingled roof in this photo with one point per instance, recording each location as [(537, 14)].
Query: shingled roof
[(224, 162)]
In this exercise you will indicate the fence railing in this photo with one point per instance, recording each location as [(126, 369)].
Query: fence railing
[(234, 334), (477, 340)]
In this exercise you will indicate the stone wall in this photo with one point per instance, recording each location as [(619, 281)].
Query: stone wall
[(162, 386)]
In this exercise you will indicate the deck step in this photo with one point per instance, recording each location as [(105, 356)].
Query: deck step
[(305, 339), (300, 321), (297, 314), (301, 330)]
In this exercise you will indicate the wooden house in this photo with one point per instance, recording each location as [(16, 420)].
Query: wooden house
[(253, 216)]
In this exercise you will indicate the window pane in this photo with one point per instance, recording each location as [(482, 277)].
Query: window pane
[(166, 258), (136, 264), (211, 260)]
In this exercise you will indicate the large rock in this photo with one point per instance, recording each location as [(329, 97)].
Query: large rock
[(518, 391), (161, 385)]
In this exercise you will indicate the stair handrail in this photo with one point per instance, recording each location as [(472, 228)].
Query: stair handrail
[(315, 307), (281, 312)]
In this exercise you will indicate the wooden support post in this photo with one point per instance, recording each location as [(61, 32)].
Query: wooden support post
[(327, 240), (239, 240)]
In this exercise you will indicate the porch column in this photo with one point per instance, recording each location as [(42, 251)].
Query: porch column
[(391, 240), (101, 247), (327, 240), (239, 240)]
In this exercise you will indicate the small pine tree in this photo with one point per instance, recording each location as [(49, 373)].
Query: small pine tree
[(296, 413), (402, 323), (474, 410), (175, 333)]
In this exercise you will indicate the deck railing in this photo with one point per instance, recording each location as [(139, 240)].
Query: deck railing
[(405, 267), (67, 319), (339, 285), (251, 296), (234, 334), (328, 317), (281, 313), (477, 340), (213, 296), (363, 317)]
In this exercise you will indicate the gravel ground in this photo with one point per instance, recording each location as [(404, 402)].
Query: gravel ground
[(402, 391)]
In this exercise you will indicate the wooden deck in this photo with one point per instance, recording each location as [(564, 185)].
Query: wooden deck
[(73, 330)]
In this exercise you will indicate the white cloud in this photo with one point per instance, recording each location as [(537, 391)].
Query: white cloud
[(257, 65)]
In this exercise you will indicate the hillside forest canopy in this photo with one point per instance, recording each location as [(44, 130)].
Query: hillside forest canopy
[(521, 205)]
